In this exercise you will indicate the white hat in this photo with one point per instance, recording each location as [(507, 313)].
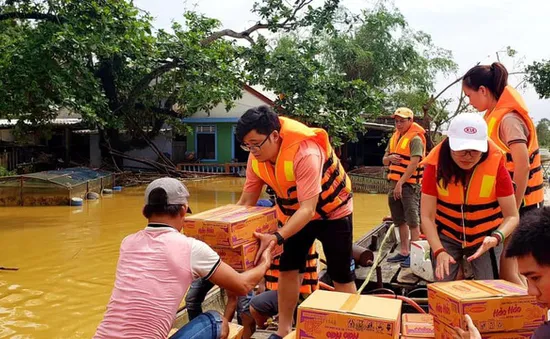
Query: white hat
[(176, 192), (468, 131)]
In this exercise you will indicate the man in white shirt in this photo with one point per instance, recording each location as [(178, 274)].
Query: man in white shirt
[(156, 267)]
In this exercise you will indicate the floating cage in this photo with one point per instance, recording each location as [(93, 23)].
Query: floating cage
[(369, 179), (52, 188)]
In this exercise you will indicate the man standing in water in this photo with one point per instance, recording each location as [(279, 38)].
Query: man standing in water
[(156, 267), (313, 196), (406, 148)]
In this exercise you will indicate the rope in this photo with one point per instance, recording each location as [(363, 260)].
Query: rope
[(377, 260)]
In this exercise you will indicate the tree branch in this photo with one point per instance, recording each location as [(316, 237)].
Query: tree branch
[(231, 33), (33, 16)]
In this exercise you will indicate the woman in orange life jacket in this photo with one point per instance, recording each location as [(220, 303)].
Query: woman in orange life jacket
[(467, 204), (511, 128)]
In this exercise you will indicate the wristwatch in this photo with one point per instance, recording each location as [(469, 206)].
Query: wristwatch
[(280, 239)]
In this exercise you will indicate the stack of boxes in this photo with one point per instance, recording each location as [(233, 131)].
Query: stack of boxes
[(229, 230), (499, 309)]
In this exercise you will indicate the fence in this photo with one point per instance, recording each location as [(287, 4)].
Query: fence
[(234, 168)]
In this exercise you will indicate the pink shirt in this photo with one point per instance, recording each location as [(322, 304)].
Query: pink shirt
[(308, 164), (155, 268)]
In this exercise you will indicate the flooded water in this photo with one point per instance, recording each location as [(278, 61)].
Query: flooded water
[(67, 256)]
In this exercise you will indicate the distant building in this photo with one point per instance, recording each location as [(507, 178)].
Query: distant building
[(213, 136)]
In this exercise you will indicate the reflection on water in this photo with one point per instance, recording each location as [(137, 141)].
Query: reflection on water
[(67, 256)]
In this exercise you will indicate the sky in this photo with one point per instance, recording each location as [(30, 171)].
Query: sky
[(473, 30)]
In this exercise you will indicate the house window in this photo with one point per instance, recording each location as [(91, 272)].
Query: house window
[(206, 142)]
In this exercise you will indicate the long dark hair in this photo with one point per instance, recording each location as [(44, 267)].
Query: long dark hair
[(493, 77), (447, 170)]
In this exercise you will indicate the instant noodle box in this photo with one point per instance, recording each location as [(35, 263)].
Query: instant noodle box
[(337, 315), (291, 335), (417, 326), (493, 305), (443, 331), (242, 257), (230, 225), (235, 331)]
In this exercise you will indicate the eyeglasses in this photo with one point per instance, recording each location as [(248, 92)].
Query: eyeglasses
[(253, 148), (472, 153)]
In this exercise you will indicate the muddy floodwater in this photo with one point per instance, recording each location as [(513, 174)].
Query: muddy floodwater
[(66, 256)]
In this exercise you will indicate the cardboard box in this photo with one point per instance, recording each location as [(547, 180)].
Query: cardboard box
[(242, 257), (416, 325), (291, 335), (493, 305), (230, 225), (235, 331), (443, 331), (327, 314)]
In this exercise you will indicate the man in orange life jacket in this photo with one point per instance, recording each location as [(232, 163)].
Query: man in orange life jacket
[(313, 196), (406, 148)]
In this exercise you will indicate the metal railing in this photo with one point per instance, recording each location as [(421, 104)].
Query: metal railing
[(234, 168)]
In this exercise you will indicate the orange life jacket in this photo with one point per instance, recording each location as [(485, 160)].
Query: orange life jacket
[(310, 281), (511, 101), (336, 185), (400, 144), (468, 214)]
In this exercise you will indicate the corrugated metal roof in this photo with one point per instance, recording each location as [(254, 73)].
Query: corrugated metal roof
[(58, 121)]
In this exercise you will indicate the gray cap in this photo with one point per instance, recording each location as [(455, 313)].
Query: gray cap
[(175, 190)]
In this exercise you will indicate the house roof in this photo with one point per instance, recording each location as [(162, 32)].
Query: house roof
[(261, 93), (64, 118), (57, 121)]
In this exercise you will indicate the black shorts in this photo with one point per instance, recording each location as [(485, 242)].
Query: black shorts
[(336, 236)]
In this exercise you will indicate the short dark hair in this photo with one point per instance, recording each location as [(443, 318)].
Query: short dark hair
[(158, 204), (493, 77), (262, 119), (532, 236)]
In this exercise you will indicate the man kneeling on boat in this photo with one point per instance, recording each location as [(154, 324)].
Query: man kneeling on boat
[(468, 206), (156, 267), (529, 245)]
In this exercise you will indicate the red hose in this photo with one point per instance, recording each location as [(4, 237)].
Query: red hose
[(404, 299)]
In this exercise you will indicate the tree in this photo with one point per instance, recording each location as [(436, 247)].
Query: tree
[(101, 58), (342, 78), (538, 74), (543, 132)]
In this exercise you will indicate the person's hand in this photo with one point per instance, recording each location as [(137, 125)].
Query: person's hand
[(225, 329), (266, 241), (394, 159), (398, 190), (488, 243), (443, 261), (472, 332)]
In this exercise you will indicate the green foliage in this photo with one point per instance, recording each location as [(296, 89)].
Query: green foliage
[(538, 74), (101, 58), (543, 132), (5, 173), (340, 78)]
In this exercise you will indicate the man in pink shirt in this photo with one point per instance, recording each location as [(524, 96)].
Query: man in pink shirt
[(313, 199), (156, 267)]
